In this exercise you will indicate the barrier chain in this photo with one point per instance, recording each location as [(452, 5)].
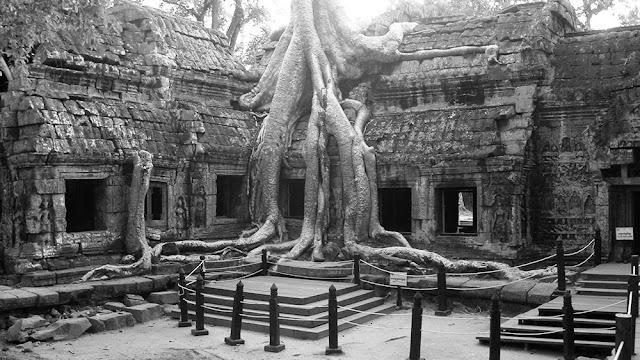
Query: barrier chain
[(274, 323), (236, 319)]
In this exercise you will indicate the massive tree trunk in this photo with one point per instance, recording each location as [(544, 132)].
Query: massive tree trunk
[(135, 233)]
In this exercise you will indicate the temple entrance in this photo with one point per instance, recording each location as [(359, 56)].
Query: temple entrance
[(624, 220), (395, 209)]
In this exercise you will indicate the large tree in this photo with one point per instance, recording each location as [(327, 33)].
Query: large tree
[(316, 55)]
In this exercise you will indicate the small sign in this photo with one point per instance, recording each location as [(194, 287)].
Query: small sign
[(397, 279), (624, 233)]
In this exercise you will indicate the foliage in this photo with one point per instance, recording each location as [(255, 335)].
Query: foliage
[(631, 15), (589, 8), (29, 23), (229, 17)]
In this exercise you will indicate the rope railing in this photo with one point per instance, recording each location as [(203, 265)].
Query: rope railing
[(618, 351), (298, 276)]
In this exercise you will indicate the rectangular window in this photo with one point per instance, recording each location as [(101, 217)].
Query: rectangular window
[(229, 197), (83, 201), (458, 213), (395, 209), (155, 207)]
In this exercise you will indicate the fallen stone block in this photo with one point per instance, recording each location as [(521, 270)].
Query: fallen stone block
[(541, 293), (164, 297), (145, 312), (114, 306), (18, 332), (517, 292), (63, 329), (115, 320), (97, 325), (133, 300)]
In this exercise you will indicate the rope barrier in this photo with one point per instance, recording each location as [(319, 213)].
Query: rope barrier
[(581, 250), (226, 268), (499, 285), (374, 327), (194, 269), (395, 287), (618, 350), (533, 334), (583, 262)]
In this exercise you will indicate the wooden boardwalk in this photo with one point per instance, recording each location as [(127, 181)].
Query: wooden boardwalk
[(600, 293)]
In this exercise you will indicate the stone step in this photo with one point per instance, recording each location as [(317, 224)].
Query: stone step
[(298, 332), (602, 284)]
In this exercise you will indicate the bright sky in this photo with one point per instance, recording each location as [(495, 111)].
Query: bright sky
[(360, 10)]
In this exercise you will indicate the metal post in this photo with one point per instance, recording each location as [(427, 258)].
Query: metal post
[(416, 328), (623, 333), (597, 248), (356, 269), (567, 324), (562, 283), (274, 323), (199, 330), (236, 319), (265, 263), (633, 289), (634, 264), (494, 328), (399, 298), (202, 270), (333, 347), (184, 316), (443, 306)]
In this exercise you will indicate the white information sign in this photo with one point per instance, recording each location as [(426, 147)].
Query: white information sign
[(397, 279), (624, 233)]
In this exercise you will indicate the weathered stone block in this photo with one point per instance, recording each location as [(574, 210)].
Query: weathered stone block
[(482, 289), (63, 329), (159, 281), (164, 297), (540, 293), (145, 312), (133, 300), (72, 292), (17, 299), (114, 306), (39, 278), (46, 297), (517, 292), (115, 320)]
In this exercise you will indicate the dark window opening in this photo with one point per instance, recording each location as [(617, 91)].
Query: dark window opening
[(155, 207), (83, 201), (229, 197), (458, 211), (292, 198), (395, 209)]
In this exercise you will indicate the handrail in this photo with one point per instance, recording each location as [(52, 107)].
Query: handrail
[(619, 351)]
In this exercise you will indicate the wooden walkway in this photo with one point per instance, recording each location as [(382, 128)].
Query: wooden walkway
[(599, 294)]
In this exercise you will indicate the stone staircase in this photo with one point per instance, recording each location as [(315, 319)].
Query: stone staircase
[(303, 305), (599, 294)]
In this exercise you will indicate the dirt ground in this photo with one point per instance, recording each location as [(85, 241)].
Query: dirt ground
[(385, 338)]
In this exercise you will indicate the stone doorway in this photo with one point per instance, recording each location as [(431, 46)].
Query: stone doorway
[(395, 209), (624, 212)]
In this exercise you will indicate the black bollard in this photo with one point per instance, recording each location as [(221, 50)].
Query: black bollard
[(634, 264), (567, 324), (199, 330), (265, 263), (416, 328), (623, 333), (236, 319), (333, 347), (184, 316), (202, 270), (443, 306), (597, 248), (274, 323), (562, 283), (356, 269), (494, 328), (633, 289), (399, 304)]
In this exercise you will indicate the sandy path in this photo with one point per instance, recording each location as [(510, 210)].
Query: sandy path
[(384, 339)]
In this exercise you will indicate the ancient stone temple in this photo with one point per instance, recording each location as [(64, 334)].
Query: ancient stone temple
[(153, 82), (495, 153)]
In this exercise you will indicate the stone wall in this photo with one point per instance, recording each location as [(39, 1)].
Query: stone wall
[(72, 122)]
